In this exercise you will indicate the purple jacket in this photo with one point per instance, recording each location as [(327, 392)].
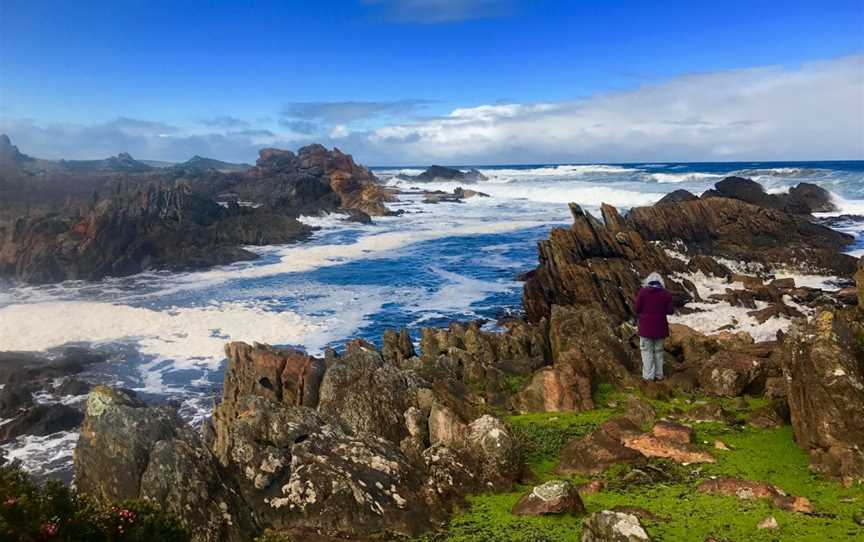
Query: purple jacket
[(652, 306)]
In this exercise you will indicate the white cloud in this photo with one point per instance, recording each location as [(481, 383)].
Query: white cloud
[(441, 11), (815, 111)]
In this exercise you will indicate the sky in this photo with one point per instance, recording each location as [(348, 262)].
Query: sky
[(415, 82)]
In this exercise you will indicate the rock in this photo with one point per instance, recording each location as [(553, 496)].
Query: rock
[(708, 266), (709, 412), (397, 348), (810, 198), (41, 420), (824, 378), (592, 487), (367, 393), (14, 399), (553, 497), (673, 432), (768, 523), (457, 196), (556, 389), (445, 427), (771, 416), (592, 264), (728, 228), (116, 440), (729, 373), (639, 411), (748, 489), (595, 452), (637, 511), (610, 526), (650, 445), (489, 443), (17, 368), (676, 196), (858, 518), (720, 445), (73, 386), (441, 173)]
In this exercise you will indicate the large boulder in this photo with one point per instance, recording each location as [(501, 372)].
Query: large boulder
[(117, 437), (731, 373), (823, 365)]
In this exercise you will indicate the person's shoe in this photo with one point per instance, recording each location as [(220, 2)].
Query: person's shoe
[(658, 379)]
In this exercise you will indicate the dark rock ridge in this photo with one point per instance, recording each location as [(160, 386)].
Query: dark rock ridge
[(805, 198), (458, 195), (442, 173), (113, 224)]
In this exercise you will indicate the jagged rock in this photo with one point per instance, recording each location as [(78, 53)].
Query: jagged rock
[(368, 393), (584, 338), (116, 440), (73, 386), (709, 266), (610, 526), (13, 399), (445, 427), (182, 475), (805, 198), (457, 196), (594, 264), (733, 229), (396, 348), (821, 363), (676, 196), (23, 369), (489, 442), (731, 373), (553, 497)]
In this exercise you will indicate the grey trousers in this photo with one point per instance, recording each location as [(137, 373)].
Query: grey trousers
[(652, 357)]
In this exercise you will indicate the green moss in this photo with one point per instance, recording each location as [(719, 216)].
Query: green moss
[(514, 384), (766, 455)]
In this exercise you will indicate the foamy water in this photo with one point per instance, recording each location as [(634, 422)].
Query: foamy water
[(165, 332)]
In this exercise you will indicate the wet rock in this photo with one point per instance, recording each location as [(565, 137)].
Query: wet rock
[(610, 526), (18, 368), (821, 363), (41, 420), (553, 497), (73, 386), (442, 173), (13, 399), (457, 196), (676, 196)]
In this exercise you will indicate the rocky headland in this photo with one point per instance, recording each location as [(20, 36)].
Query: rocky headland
[(92, 219)]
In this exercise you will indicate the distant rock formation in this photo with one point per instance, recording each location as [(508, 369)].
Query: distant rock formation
[(441, 173), (9, 153), (805, 198), (200, 164)]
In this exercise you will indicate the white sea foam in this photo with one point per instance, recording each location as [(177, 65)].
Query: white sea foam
[(42, 455), (456, 295), (684, 177)]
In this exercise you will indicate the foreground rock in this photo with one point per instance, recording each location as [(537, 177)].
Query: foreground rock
[(553, 497), (824, 375), (357, 446), (611, 526), (747, 490)]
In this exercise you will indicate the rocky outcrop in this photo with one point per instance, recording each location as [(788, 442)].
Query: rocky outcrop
[(676, 196), (592, 263), (458, 195), (128, 233), (442, 173), (823, 367), (805, 198), (737, 230)]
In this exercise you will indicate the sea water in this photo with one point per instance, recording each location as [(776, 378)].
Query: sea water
[(165, 332)]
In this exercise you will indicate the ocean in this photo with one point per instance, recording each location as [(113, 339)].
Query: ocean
[(165, 332)]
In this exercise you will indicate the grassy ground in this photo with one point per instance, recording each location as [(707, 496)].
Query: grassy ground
[(686, 515)]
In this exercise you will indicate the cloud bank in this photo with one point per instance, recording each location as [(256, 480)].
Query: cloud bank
[(440, 11), (815, 111)]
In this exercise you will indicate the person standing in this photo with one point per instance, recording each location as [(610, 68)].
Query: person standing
[(653, 305)]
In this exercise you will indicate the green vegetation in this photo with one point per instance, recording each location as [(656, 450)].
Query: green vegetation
[(685, 515), (31, 512)]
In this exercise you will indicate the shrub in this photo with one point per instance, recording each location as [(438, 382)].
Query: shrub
[(49, 512)]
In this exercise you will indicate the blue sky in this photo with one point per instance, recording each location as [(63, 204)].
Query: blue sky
[(420, 81)]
